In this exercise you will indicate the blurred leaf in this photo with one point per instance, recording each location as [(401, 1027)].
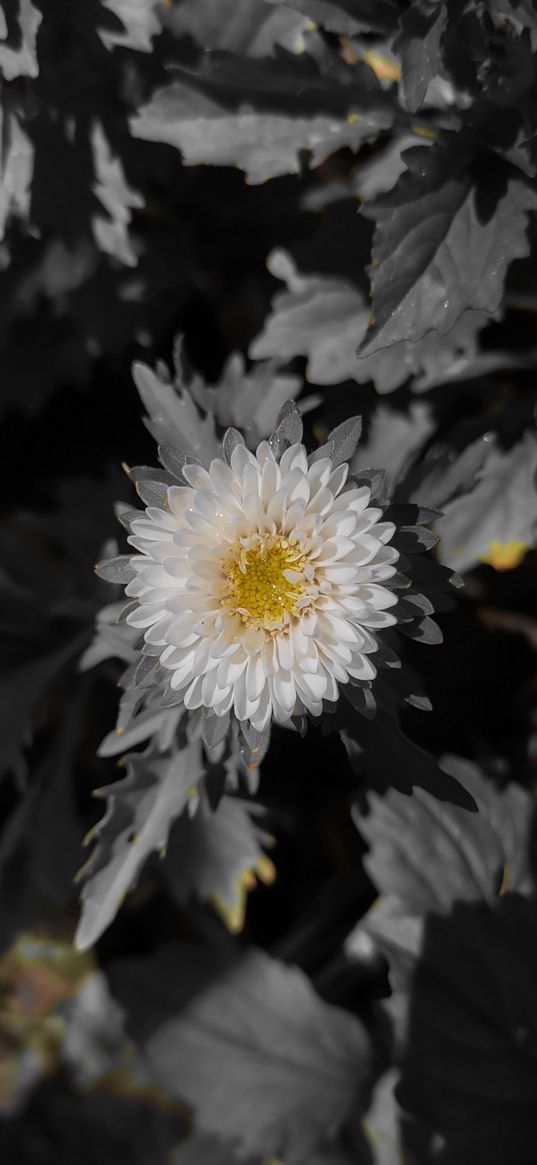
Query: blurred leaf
[(217, 856), (446, 475), (249, 400), (20, 59), (64, 1125), (469, 1070), (141, 808), (16, 168), (520, 12), (262, 1059), (348, 16), (501, 507), (436, 252), (260, 120), (117, 198), (199, 1149), (242, 26), (37, 977), (94, 1041), (140, 24), (394, 440), (381, 1125)]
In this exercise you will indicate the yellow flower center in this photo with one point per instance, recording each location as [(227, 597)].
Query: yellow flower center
[(258, 587)]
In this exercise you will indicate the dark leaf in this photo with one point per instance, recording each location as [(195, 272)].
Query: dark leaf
[(469, 1069), (435, 254), (418, 46)]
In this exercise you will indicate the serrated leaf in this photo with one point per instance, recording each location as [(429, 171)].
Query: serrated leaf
[(248, 400), (323, 319), (217, 857), (501, 507), (414, 539), (141, 808), (156, 720), (326, 320), (435, 252), (173, 418), (260, 120), (429, 854), (265, 1063), (468, 1071)]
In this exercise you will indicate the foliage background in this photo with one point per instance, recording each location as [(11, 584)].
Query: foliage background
[(233, 173)]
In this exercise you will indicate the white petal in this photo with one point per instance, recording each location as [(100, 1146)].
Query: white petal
[(197, 477), (241, 457), (337, 478), (179, 496), (146, 615), (362, 668), (193, 696), (378, 619), (255, 678), (283, 690), (161, 518), (295, 457)]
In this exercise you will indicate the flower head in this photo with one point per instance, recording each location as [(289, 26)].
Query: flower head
[(262, 582)]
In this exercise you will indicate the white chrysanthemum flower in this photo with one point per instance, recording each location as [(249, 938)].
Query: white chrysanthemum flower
[(263, 583)]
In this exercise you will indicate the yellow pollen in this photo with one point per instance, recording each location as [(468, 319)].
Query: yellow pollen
[(256, 587)]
